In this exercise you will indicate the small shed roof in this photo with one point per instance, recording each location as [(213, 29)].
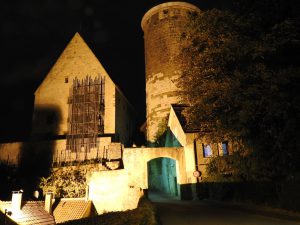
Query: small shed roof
[(72, 209)]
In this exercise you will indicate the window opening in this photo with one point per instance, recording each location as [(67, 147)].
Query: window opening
[(207, 150)]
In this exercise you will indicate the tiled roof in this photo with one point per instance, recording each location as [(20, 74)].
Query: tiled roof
[(188, 128), (31, 213), (71, 209)]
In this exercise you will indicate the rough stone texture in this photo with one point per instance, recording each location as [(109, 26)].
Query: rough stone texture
[(163, 26)]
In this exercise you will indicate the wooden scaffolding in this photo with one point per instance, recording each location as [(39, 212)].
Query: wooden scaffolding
[(86, 114)]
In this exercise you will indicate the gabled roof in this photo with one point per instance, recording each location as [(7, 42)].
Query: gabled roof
[(187, 128), (72, 209), (77, 59), (31, 213)]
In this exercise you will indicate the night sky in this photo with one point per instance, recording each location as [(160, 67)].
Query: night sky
[(35, 32)]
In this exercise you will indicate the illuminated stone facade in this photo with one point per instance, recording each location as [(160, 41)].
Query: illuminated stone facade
[(52, 113), (51, 109), (112, 191), (163, 26)]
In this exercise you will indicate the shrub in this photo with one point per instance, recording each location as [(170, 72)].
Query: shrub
[(68, 182), (143, 215)]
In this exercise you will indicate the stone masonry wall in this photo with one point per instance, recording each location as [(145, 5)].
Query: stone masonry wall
[(163, 26)]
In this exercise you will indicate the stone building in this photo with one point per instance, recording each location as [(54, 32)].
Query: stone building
[(52, 111), (79, 112), (91, 112), (163, 26)]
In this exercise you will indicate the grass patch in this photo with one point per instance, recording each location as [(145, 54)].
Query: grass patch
[(144, 214)]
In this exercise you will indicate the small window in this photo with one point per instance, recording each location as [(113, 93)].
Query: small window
[(223, 148), (66, 80), (207, 150), (165, 11)]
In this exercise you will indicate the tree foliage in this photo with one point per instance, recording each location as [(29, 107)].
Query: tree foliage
[(243, 76)]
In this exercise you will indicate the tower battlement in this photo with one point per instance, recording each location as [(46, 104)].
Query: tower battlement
[(165, 10)]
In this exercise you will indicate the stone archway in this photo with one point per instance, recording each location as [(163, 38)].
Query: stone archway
[(136, 164)]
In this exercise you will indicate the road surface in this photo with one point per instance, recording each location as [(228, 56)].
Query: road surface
[(175, 212)]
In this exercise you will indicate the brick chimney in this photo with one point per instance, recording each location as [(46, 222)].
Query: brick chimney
[(48, 202), (16, 200)]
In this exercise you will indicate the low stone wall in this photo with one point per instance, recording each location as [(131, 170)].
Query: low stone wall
[(111, 191), (55, 151), (106, 150)]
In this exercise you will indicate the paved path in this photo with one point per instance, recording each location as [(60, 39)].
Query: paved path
[(175, 212)]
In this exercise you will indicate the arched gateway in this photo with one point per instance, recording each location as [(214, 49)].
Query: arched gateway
[(162, 177), (136, 161)]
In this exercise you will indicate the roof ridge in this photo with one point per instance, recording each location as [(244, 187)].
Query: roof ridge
[(69, 199)]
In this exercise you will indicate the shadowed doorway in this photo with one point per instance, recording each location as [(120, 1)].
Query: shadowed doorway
[(162, 177)]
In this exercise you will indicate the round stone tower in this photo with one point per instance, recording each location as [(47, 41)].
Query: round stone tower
[(163, 26)]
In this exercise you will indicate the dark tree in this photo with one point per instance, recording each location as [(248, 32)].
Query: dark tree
[(242, 81)]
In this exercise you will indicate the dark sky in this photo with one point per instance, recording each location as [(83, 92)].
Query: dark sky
[(35, 32)]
